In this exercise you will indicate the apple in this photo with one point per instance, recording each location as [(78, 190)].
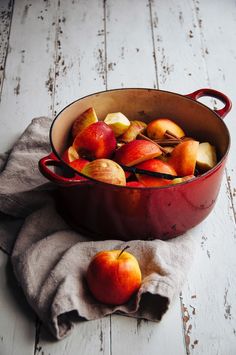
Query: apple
[(113, 276), (156, 129), (69, 155), (136, 152), (135, 128), (105, 170), (206, 156), (155, 165), (118, 122), (134, 184), (184, 156), (95, 141), (84, 120), (182, 179)]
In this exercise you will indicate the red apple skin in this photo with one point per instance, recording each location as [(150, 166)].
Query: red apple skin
[(136, 152), (113, 277), (155, 165), (157, 128), (78, 165), (183, 157), (134, 184), (69, 155), (96, 141)]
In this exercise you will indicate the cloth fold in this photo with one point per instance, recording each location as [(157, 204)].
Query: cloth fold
[(50, 259)]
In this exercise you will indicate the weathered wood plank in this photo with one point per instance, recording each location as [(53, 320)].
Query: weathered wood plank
[(6, 7), (80, 64), (79, 70), (17, 327), (131, 63), (182, 66), (26, 91)]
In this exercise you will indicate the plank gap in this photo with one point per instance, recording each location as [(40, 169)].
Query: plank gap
[(153, 43)]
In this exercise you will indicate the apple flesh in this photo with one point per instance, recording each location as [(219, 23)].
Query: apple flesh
[(69, 155), (113, 276), (157, 128), (118, 122), (184, 156), (78, 165), (95, 141), (155, 165), (84, 120), (206, 156), (182, 179), (105, 170), (136, 152), (135, 128)]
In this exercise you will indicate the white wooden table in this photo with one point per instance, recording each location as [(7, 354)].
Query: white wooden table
[(52, 52)]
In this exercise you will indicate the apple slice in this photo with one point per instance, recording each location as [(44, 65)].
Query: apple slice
[(182, 179), (78, 165), (84, 120), (133, 131), (118, 122), (184, 156), (155, 165), (136, 152), (206, 156), (95, 141), (105, 170), (157, 128), (69, 155)]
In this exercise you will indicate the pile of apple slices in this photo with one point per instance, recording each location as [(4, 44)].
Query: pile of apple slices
[(131, 153)]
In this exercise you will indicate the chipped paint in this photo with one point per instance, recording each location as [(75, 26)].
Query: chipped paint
[(17, 87), (227, 306)]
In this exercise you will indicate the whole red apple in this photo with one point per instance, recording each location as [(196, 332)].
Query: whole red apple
[(113, 276), (96, 141)]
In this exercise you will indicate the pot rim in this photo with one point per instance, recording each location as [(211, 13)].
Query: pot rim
[(197, 178)]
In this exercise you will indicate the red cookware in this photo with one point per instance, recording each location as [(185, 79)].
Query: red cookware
[(120, 212)]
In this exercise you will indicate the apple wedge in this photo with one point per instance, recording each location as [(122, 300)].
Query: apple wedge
[(70, 154), (118, 122), (157, 128), (133, 131), (183, 157), (136, 152), (84, 120), (105, 170), (182, 179), (155, 165), (78, 165), (206, 156)]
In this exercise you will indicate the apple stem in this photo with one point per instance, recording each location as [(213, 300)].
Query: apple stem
[(127, 246)]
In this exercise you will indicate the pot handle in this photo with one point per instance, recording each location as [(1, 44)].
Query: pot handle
[(52, 160), (217, 95)]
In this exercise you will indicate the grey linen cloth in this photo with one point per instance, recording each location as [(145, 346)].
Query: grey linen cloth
[(50, 259)]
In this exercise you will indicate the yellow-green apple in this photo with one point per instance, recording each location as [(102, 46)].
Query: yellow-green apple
[(69, 155), (157, 128), (155, 165), (134, 184), (95, 141), (118, 122), (114, 276), (136, 152), (206, 156), (135, 128), (105, 170), (78, 165), (183, 157), (84, 120), (182, 179)]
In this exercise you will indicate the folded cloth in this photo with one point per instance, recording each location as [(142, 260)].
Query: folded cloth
[(50, 259)]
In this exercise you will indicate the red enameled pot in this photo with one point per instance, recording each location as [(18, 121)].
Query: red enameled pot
[(116, 212)]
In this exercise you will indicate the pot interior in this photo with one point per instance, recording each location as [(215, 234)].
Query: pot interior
[(197, 120)]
